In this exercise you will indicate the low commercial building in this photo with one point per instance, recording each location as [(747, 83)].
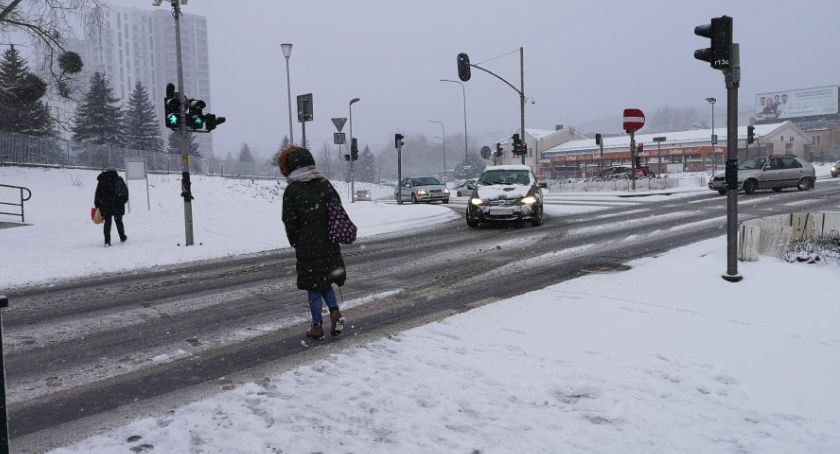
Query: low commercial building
[(681, 151), (537, 140)]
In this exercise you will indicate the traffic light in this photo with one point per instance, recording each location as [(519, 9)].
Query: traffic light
[(640, 147), (750, 134), (464, 71), (354, 150), (195, 116), (499, 150), (638, 162), (598, 139), (211, 121), (398, 140), (720, 32), (172, 107), (517, 144)]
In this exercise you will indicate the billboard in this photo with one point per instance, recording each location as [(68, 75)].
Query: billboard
[(806, 102)]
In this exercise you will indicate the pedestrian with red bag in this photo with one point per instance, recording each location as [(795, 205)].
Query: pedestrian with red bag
[(315, 224)]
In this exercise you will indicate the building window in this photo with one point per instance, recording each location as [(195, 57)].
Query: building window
[(816, 140)]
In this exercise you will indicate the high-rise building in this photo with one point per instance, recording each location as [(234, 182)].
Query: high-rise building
[(131, 44)]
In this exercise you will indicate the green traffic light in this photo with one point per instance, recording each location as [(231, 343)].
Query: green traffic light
[(173, 120)]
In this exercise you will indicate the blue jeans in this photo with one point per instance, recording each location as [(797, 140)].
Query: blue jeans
[(315, 298)]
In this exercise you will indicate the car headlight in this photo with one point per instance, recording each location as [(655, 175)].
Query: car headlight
[(476, 202), (446, 191), (421, 192), (530, 200)]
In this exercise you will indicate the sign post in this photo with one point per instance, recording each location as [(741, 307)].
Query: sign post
[(304, 105), (659, 141), (135, 169), (634, 120)]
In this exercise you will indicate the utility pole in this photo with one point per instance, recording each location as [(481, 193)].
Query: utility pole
[(186, 191), (522, 103), (398, 142), (733, 81)]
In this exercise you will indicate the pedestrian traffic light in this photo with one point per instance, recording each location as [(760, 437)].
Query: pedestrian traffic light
[(172, 108), (640, 147), (720, 32), (750, 134), (464, 71), (195, 116), (211, 121), (354, 149), (499, 150), (398, 140), (598, 139)]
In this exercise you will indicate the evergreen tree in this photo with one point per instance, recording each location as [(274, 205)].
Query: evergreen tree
[(245, 154), (98, 117), (176, 144), (140, 125), (283, 145), (367, 166), (21, 108)]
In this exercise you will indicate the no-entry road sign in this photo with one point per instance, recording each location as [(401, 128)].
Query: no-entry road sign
[(634, 119)]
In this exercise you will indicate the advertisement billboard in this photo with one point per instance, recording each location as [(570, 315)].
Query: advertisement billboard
[(806, 102)]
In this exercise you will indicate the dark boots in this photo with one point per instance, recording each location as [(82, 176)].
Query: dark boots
[(337, 322)]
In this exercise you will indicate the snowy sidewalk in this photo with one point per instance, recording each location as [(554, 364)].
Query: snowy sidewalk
[(664, 358)]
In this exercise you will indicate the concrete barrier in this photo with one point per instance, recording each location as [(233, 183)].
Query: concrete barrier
[(642, 185), (771, 235)]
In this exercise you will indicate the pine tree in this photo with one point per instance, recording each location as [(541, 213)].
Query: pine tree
[(98, 118), (476, 166), (21, 108), (285, 144), (176, 144), (367, 166), (245, 154), (140, 122)]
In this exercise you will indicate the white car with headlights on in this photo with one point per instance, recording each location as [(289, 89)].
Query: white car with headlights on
[(506, 193), (422, 189)]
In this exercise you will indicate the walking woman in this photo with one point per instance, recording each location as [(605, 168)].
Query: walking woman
[(110, 197), (305, 215)]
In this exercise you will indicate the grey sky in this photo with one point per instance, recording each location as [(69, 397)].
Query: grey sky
[(584, 60)]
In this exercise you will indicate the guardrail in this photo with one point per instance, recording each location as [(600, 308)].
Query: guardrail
[(23, 199)]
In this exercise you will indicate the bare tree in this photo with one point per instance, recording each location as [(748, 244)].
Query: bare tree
[(46, 23)]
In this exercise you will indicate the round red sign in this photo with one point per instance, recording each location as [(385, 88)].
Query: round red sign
[(634, 119)]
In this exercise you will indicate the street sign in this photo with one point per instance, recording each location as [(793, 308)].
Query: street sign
[(714, 139), (339, 123), (485, 152), (634, 119), (304, 105), (659, 139), (467, 167), (338, 138)]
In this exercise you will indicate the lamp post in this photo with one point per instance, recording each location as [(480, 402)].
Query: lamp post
[(443, 128), (352, 174), (713, 139), (287, 52), (464, 95)]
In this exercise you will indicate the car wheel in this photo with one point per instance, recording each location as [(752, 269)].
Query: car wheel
[(777, 189), (538, 219), (445, 201), (805, 184), (472, 223), (722, 191), (749, 186), (413, 198)]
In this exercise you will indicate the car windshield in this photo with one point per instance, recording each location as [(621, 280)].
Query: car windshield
[(752, 164), (505, 177), (424, 181)]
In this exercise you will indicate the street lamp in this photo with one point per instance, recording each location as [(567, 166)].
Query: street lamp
[(352, 174), (287, 52), (464, 95), (714, 141), (443, 128)]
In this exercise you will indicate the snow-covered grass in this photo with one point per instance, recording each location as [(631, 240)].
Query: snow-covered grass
[(231, 217), (664, 358)]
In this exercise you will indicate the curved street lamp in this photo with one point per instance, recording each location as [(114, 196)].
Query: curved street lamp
[(464, 95), (287, 52)]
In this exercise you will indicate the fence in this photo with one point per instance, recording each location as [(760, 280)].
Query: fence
[(24, 149)]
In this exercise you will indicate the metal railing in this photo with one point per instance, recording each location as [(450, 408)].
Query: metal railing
[(22, 200)]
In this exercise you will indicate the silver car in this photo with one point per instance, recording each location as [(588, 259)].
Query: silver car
[(771, 172), (422, 189)]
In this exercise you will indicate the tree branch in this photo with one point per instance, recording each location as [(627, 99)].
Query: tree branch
[(8, 10)]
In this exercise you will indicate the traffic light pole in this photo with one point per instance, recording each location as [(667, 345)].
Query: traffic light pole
[(186, 191), (633, 158), (399, 173), (522, 103), (733, 81)]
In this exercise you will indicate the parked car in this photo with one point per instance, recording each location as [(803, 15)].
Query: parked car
[(362, 195), (422, 189), (772, 172), (835, 170), (623, 173), (465, 188), (506, 193)]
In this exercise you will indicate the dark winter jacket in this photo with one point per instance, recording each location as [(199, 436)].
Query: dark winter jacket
[(111, 194), (319, 261)]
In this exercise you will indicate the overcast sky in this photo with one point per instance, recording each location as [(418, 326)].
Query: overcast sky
[(584, 60)]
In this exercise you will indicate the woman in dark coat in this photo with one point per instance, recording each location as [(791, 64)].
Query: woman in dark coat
[(319, 262), (111, 197)]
